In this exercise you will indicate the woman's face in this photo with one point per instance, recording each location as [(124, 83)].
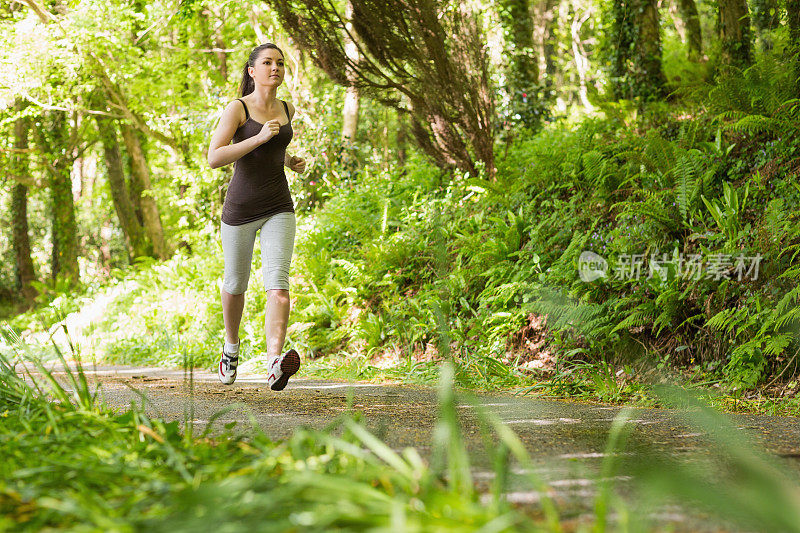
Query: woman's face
[(269, 69)]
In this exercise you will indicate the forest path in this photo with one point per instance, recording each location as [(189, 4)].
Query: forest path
[(566, 439)]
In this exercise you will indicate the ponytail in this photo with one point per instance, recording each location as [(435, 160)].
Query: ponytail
[(248, 85)]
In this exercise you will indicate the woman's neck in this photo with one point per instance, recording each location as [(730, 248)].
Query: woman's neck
[(264, 97)]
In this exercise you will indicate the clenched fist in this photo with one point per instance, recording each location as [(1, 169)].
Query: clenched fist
[(298, 164), (269, 130)]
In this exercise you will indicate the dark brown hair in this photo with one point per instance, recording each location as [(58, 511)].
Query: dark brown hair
[(248, 85)]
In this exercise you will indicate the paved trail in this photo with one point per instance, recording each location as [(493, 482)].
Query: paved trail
[(566, 439)]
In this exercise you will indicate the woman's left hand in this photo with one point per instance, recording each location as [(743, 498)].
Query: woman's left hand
[(298, 164)]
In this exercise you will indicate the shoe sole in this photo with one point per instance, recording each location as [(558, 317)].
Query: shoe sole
[(289, 366)]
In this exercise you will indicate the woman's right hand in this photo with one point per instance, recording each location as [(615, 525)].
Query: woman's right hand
[(269, 130)]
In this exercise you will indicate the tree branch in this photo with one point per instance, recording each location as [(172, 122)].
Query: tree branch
[(78, 110), (43, 15)]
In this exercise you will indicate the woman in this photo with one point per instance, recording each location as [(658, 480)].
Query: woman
[(258, 198)]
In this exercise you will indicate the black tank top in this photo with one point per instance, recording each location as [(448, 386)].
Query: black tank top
[(258, 188)]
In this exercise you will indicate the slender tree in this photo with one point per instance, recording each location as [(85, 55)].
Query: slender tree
[(211, 27), (636, 52), (581, 58), (687, 21), (351, 96), (543, 15), (521, 66), (734, 32), (142, 191), (56, 145), (134, 233), (766, 17), (518, 24), (20, 240)]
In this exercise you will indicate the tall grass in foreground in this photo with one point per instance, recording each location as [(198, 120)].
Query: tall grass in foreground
[(70, 463), (76, 465)]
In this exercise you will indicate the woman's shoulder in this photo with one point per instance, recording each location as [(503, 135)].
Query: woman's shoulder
[(236, 104), (237, 109), (291, 109)]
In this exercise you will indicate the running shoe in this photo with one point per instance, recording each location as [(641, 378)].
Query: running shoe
[(226, 370), (282, 368)]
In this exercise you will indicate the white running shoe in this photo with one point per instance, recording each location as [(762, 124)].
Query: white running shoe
[(281, 368), (226, 370)]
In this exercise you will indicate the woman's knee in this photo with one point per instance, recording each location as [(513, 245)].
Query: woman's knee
[(279, 295)]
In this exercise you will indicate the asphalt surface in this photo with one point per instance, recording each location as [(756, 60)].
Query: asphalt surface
[(566, 439)]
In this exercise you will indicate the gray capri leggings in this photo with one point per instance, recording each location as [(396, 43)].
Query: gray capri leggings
[(277, 244)]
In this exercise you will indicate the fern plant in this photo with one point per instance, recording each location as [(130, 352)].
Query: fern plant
[(760, 100)]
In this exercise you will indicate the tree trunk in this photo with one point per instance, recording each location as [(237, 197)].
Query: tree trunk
[(105, 245), (408, 56), (20, 240), (636, 65), (351, 96), (543, 38), (140, 176), (677, 20), (23, 264), (402, 139), (350, 113), (648, 46), (793, 19), (690, 19), (55, 146), (734, 32), (581, 59), (212, 36), (123, 205)]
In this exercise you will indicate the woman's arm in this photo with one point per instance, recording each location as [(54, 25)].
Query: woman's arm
[(221, 152)]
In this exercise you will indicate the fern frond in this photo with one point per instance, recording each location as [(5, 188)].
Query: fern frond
[(669, 302), (687, 170), (659, 154), (638, 317), (792, 317), (755, 124), (594, 165), (725, 320), (789, 299), (776, 344), (354, 272)]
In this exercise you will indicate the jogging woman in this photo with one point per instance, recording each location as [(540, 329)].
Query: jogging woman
[(258, 198)]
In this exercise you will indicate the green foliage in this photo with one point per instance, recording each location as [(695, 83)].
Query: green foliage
[(728, 212), (387, 253), (761, 101)]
